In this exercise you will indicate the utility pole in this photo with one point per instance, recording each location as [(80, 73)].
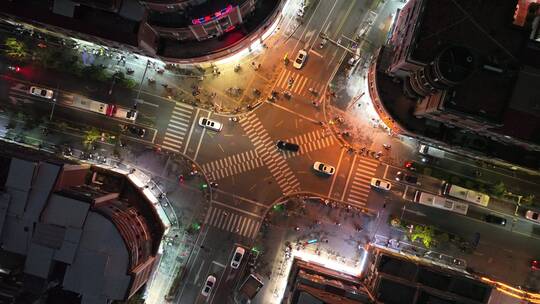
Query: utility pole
[(54, 103), (142, 80)]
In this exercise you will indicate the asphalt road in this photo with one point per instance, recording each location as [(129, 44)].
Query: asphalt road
[(242, 158)]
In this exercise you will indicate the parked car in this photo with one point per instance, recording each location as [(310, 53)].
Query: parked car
[(408, 178), (237, 257), (287, 146), (533, 216), (207, 289), (380, 184), (137, 131), (324, 168), (494, 219), (41, 92), (210, 124), (300, 59)]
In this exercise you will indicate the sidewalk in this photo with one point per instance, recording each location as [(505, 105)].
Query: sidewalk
[(312, 231)]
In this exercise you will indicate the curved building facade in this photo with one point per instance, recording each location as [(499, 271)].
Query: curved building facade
[(176, 31)]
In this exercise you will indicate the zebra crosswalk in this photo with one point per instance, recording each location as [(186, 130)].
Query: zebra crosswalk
[(233, 222), (361, 183), (178, 127), (311, 141), (265, 148), (233, 164), (301, 83)]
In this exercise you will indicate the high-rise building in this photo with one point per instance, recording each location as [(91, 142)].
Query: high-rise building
[(68, 229), (395, 279), (173, 30), (462, 73)]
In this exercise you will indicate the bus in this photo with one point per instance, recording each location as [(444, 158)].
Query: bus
[(110, 110), (84, 103), (440, 202), (465, 194)]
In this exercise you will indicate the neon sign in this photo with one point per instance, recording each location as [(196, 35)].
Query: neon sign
[(216, 15)]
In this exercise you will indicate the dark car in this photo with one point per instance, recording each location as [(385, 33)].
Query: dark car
[(408, 178), (137, 131), (493, 219), (287, 146)]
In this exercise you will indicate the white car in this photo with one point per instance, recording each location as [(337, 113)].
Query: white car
[(210, 281), (237, 257), (380, 184), (324, 168), (41, 92), (533, 216), (210, 124), (300, 59)]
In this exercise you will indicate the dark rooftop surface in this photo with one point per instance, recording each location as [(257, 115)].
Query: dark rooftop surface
[(391, 290), (507, 96), (485, 28), (212, 6), (401, 109)]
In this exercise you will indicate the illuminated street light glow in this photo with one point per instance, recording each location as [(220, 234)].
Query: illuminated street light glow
[(514, 292)]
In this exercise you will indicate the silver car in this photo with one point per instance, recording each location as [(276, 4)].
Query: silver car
[(210, 124), (533, 216), (237, 257), (207, 289), (324, 168), (41, 92)]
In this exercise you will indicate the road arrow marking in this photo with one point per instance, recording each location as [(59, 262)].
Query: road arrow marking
[(315, 53), (14, 100), (19, 87)]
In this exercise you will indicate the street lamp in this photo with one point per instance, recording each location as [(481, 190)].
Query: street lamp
[(141, 83)]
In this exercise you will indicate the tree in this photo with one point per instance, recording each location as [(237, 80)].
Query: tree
[(395, 222), (62, 126), (426, 233), (91, 137), (15, 49), (527, 200), (498, 189)]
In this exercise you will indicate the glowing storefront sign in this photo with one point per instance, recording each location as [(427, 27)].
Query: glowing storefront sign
[(216, 15)]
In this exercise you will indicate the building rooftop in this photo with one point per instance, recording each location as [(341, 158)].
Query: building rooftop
[(402, 281), (499, 92), (95, 233), (485, 27), (311, 283)]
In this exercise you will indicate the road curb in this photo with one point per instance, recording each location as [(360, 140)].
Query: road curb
[(313, 195)]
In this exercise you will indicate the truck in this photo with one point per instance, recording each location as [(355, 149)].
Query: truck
[(428, 151), (250, 287)]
